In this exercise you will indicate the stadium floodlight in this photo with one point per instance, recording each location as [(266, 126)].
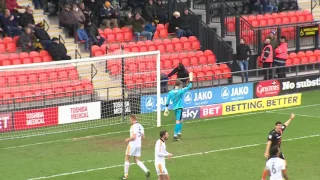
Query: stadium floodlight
[(63, 96)]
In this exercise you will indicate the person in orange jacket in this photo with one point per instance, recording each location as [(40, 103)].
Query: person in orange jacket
[(281, 55), (267, 59)]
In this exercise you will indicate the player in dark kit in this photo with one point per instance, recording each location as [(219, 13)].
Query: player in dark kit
[(274, 139)]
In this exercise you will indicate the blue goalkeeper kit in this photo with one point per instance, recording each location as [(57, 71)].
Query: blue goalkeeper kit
[(176, 96)]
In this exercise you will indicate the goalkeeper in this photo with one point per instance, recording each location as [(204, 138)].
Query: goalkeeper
[(176, 96)]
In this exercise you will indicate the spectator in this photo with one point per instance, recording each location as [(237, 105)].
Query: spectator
[(175, 24), (255, 6), (93, 34), (13, 5), (149, 11), (161, 12), (164, 83), (68, 20), (78, 14), (25, 41), (58, 51), (38, 4), (42, 35), (186, 23), (273, 39), (273, 6), (151, 26), (83, 36), (26, 19), (243, 57), (92, 4), (281, 56), (2, 6), (108, 15), (267, 59), (86, 12), (182, 74), (10, 25), (138, 24)]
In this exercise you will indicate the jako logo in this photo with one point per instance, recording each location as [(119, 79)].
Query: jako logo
[(149, 103), (191, 113), (188, 98), (225, 93)]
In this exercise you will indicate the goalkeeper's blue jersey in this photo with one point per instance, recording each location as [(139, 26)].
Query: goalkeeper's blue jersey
[(176, 96)]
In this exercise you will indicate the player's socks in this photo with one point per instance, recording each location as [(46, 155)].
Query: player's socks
[(176, 129), (142, 166), (180, 128), (264, 175), (126, 169)]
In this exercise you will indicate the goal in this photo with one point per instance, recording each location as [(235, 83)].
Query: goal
[(55, 97)]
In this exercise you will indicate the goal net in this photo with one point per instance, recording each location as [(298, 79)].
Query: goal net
[(54, 97)]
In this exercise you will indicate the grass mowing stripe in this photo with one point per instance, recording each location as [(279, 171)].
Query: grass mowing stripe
[(186, 122), (181, 156)]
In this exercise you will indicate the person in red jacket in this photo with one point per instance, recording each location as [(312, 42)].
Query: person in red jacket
[(12, 5), (281, 55), (267, 59)]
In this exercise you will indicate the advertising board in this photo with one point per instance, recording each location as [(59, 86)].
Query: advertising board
[(35, 118), (5, 122), (261, 104), (300, 84), (79, 112), (202, 97)]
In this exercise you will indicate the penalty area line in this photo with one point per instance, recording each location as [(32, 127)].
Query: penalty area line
[(175, 157), (185, 122)]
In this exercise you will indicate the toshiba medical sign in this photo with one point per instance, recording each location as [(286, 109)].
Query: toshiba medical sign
[(79, 112), (5, 122), (35, 118)]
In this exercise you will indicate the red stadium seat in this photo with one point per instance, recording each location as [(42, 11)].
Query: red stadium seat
[(163, 33), (158, 41), (111, 38), (166, 41), (161, 48), (23, 55), (13, 56), (175, 40), (16, 61), (169, 47), (178, 46), (192, 38), (107, 31), (296, 61), (209, 75), (187, 46), (6, 63), (304, 60), (33, 54), (47, 59), (12, 81), (73, 75), (23, 79), (199, 53), (195, 45), (11, 47), (53, 76), (148, 42), (167, 64), (289, 62), (226, 73), (152, 48), (301, 54), (120, 37), (201, 76), (312, 59), (26, 61), (223, 66), (185, 61), (7, 40), (203, 60), (206, 68), (37, 60), (128, 36), (175, 62), (191, 54), (194, 61)]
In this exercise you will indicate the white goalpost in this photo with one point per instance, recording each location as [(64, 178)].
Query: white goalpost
[(63, 96)]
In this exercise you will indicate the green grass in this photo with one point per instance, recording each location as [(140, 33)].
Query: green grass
[(101, 156)]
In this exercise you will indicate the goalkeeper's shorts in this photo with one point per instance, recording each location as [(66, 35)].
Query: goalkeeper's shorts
[(178, 114)]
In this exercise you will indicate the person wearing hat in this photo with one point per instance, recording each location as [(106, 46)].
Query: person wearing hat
[(42, 35), (58, 51), (273, 39), (175, 25), (108, 15)]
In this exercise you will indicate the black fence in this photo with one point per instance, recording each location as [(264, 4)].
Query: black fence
[(208, 38)]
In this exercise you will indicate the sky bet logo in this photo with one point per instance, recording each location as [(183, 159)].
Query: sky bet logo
[(191, 113)]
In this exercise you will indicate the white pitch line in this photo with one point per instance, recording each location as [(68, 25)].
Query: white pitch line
[(185, 122), (180, 156), (304, 115)]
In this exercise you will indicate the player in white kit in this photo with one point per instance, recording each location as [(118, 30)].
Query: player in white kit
[(134, 147), (160, 155), (275, 166)]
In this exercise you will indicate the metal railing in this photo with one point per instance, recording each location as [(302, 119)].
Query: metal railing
[(208, 38), (313, 4), (46, 24)]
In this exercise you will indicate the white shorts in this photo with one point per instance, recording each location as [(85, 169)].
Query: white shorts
[(133, 151), (161, 169)]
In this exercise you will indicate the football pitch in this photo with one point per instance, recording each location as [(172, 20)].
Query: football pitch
[(220, 148)]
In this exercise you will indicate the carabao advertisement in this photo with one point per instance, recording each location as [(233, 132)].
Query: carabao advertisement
[(202, 97)]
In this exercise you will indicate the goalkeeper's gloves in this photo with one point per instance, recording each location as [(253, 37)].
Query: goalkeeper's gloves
[(166, 111)]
